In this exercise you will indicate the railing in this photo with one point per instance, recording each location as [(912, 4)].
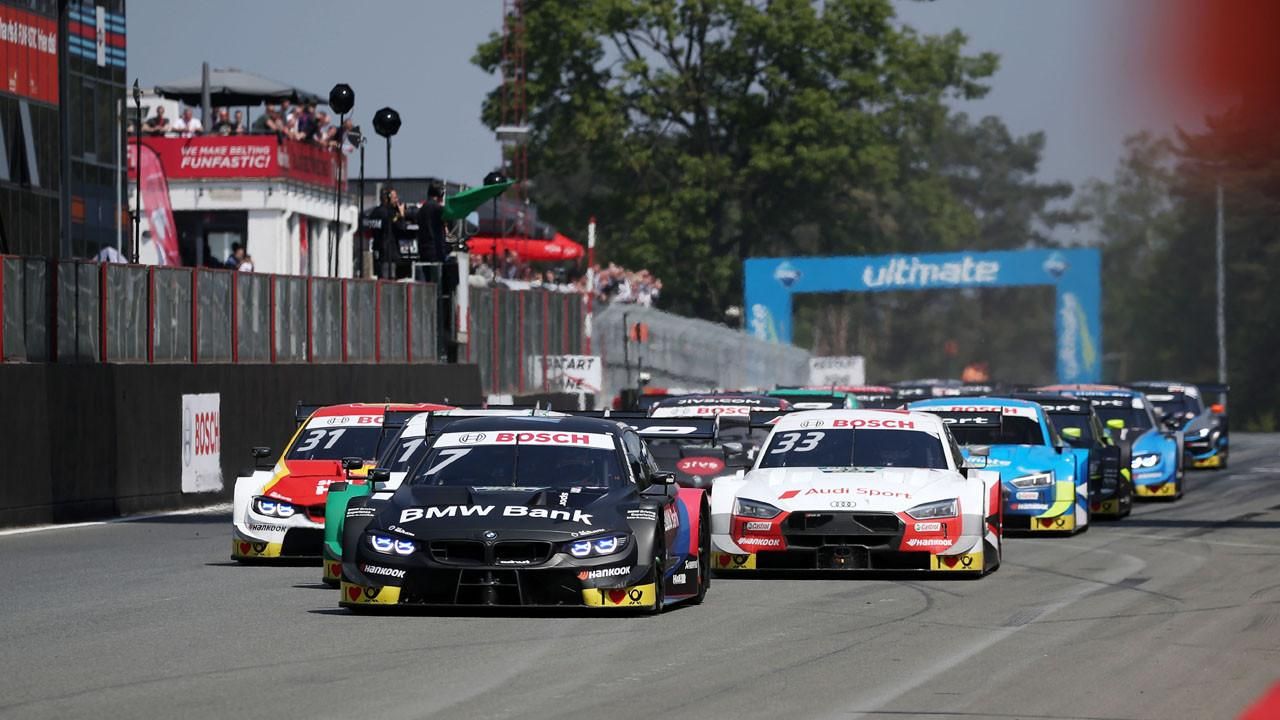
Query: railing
[(77, 311)]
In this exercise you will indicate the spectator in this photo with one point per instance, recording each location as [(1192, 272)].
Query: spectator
[(510, 268), (157, 124), (389, 213), (188, 125), (431, 232), (480, 267), (222, 123), (288, 114), (324, 132), (246, 265), (236, 257), (237, 123), (305, 125), (267, 122)]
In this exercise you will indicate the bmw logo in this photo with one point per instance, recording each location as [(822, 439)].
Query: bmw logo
[(489, 534)]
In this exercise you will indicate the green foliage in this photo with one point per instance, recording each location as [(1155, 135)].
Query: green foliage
[(704, 132), (1156, 220)]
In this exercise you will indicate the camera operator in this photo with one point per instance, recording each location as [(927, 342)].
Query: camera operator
[(390, 214)]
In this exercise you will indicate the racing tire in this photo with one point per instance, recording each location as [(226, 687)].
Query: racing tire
[(992, 551), (704, 556), (1222, 465), (659, 571)]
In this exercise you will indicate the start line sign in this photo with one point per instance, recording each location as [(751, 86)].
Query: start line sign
[(565, 373), (837, 370)]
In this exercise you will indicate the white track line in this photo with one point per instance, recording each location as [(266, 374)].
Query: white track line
[(220, 507), (888, 694)]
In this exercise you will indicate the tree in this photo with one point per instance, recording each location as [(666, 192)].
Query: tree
[(703, 132), (1156, 221)]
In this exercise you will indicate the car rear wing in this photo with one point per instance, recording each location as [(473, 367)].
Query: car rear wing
[(302, 411), (705, 429)]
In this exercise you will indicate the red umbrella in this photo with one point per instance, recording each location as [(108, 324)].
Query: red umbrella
[(528, 249)]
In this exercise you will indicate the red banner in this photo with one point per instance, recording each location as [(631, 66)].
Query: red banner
[(244, 156), (28, 55), (155, 198)]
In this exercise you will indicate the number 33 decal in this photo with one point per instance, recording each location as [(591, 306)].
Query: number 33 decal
[(787, 441)]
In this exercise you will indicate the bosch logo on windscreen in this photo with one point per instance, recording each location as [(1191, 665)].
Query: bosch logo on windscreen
[(875, 423)]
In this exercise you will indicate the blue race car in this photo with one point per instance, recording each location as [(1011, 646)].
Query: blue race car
[(1156, 454), (1045, 481), (1180, 406)]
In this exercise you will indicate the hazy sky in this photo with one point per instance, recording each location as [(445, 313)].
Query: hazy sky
[(1068, 67)]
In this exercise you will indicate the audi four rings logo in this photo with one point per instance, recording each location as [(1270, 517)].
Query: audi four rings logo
[(471, 437), (843, 504), (811, 423), (635, 594)]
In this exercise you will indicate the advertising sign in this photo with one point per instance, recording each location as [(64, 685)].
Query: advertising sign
[(565, 373), (28, 55), (837, 370), (1073, 273), (201, 443), (220, 157)]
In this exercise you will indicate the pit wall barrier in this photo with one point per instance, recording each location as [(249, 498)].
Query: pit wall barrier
[(73, 311), (90, 441), (684, 352)]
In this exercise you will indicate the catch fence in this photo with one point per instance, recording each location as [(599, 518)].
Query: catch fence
[(78, 311)]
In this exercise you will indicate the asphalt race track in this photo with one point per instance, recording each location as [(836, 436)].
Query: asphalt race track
[(1173, 613)]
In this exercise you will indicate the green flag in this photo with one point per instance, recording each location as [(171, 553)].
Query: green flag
[(461, 205)]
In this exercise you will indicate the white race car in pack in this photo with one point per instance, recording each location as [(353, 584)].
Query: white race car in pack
[(858, 490)]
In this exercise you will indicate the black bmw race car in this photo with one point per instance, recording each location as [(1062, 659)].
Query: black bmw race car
[(529, 511)]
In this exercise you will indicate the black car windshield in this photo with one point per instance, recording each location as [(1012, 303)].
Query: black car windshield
[(1074, 420), (329, 438), (864, 447), (993, 429), (498, 458), (1174, 403), (1122, 409), (405, 452)]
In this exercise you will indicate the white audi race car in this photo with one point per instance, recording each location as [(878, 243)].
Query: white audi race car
[(858, 490)]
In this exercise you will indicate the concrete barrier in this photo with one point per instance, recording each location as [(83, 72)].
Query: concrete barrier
[(94, 441)]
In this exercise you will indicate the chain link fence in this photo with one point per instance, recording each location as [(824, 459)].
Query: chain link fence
[(687, 353)]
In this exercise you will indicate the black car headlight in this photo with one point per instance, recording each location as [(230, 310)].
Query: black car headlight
[(935, 510), (1147, 460), (754, 509), (597, 547), (272, 507), (391, 545)]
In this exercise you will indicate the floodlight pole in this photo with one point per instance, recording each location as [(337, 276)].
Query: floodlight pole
[(1222, 291), (137, 174)]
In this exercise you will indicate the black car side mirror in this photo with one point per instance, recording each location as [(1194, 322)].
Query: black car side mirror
[(379, 476), (352, 463), (261, 457), (664, 478)]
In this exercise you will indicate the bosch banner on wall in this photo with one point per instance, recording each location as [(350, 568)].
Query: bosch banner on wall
[(201, 443), (1074, 274), (29, 55)]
